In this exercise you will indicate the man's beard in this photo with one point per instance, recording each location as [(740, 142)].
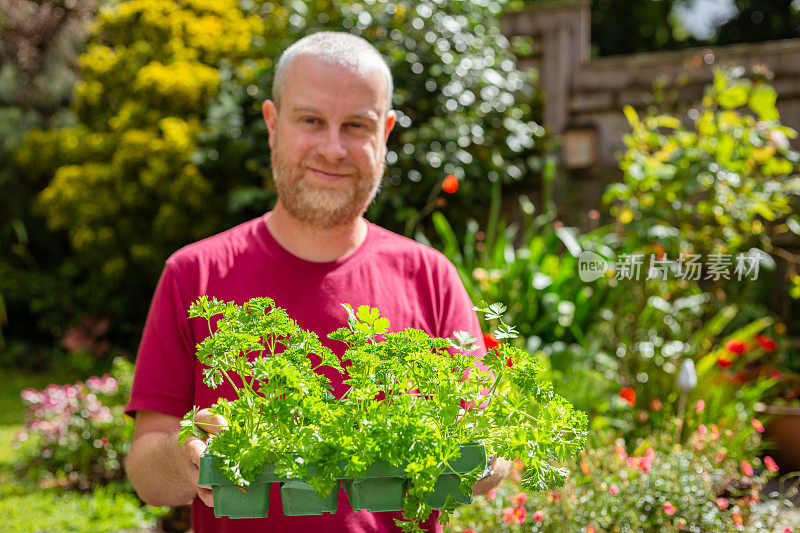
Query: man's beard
[(318, 204)]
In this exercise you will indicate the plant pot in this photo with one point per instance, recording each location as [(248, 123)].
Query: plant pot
[(232, 500), (383, 488), (783, 431), (299, 499), (472, 456)]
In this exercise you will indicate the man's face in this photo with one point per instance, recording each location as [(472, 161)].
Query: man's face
[(329, 140)]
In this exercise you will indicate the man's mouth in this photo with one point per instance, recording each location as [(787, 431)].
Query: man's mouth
[(328, 176)]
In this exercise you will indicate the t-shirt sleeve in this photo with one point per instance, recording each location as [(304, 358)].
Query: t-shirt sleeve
[(165, 363)]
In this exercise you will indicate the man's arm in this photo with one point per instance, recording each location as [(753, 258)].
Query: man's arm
[(500, 470), (162, 472)]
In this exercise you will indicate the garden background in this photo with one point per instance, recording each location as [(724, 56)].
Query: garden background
[(130, 129)]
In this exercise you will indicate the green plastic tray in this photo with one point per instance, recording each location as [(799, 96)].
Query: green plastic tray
[(299, 498)]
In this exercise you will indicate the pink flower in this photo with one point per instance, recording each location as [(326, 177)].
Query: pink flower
[(757, 424), (520, 498), (738, 520), (538, 516), (644, 463), (490, 495), (747, 469), (620, 451), (720, 456), (700, 406), (613, 489), (30, 396), (656, 405), (770, 464), (702, 430), (787, 530), (590, 529), (508, 515), (669, 509), (722, 503)]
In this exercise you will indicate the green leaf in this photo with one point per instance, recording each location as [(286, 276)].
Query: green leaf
[(630, 114), (762, 102), (733, 97)]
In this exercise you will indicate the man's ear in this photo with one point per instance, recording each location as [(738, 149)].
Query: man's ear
[(391, 119), (270, 112)]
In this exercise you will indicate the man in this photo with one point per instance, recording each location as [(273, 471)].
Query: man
[(328, 124)]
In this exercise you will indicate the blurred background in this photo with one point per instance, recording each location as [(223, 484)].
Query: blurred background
[(529, 134)]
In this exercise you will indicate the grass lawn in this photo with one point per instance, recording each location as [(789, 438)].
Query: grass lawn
[(24, 507)]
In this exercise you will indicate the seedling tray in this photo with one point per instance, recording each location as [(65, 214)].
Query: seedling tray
[(382, 488)]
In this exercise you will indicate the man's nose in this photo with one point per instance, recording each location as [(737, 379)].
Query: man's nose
[(332, 146)]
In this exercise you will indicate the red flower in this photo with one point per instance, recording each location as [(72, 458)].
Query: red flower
[(747, 469), (757, 425), (490, 341), (736, 346), (770, 464), (723, 503), (538, 516), (590, 529), (450, 184), (767, 343), (509, 362), (723, 362), (737, 518), (669, 509), (628, 394)]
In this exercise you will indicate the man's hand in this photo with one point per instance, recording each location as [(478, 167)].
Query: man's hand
[(500, 469), (194, 447), (162, 471)]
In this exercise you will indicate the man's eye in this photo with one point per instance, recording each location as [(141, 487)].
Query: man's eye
[(357, 125), (310, 120)]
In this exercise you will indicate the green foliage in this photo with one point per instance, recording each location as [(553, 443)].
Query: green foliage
[(722, 185), (103, 509), (411, 399), (536, 271)]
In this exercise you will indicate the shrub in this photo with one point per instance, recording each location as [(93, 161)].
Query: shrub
[(723, 180), (169, 145), (77, 435)]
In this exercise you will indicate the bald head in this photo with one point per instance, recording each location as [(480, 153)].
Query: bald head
[(335, 48)]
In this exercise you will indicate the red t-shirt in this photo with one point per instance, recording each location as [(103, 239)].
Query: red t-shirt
[(412, 285)]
